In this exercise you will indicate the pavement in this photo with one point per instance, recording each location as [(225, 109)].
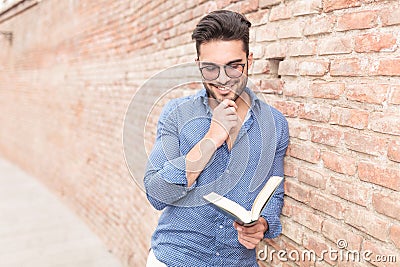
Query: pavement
[(38, 230)]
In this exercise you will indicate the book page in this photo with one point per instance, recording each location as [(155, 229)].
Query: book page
[(228, 206), (264, 196)]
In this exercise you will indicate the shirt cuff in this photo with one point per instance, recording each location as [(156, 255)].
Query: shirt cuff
[(174, 172), (274, 225)]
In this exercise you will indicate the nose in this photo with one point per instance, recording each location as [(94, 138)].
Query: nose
[(222, 78)]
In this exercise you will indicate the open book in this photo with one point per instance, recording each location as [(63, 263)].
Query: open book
[(240, 214)]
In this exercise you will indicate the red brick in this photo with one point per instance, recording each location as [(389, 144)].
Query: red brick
[(377, 174), (367, 144), (220, 3), (273, 67), (275, 50), (301, 8), (301, 48), (367, 222), (394, 151), (314, 112), (287, 108), (297, 191), (347, 67), (387, 67), (351, 262), (315, 243), (395, 95), (319, 25), (336, 231), (390, 16), (258, 18), (375, 42), (379, 248), (292, 230), (248, 6), (311, 177), (327, 90), (334, 45), (290, 29), (339, 163), (272, 86), (350, 190), (306, 216), (385, 122), (357, 20), (266, 33), (326, 136), (395, 235), (259, 67), (327, 204), (288, 68), (304, 152), (349, 117), (329, 5), (280, 12), (388, 205), (268, 3), (258, 52), (289, 168), (369, 93), (298, 87), (298, 130), (314, 68)]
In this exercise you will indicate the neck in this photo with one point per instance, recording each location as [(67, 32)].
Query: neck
[(243, 101)]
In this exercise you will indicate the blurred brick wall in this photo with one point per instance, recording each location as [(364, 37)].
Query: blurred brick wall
[(332, 67)]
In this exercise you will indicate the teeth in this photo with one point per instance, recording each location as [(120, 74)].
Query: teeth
[(223, 88)]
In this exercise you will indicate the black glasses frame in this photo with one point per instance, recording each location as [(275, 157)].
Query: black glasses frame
[(219, 70)]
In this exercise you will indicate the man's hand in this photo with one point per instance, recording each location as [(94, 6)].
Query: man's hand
[(224, 119), (250, 236)]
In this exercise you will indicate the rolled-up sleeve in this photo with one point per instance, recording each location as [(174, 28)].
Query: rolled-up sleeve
[(165, 177)]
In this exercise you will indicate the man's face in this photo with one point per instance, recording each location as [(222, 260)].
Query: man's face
[(228, 58)]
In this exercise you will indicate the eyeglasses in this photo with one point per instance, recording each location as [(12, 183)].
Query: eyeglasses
[(211, 71)]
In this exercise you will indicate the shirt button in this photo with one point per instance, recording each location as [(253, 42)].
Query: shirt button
[(227, 171), (217, 253), (221, 226)]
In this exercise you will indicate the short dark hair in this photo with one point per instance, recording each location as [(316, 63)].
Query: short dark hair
[(222, 25)]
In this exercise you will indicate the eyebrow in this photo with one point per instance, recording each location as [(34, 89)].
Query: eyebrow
[(228, 63)]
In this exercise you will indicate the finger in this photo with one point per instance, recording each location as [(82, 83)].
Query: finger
[(232, 117), (255, 228), (230, 103), (256, 233), (248, 242), (253, 241), (230, 111)]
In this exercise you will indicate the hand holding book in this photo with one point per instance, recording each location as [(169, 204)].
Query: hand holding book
[(250, 236)]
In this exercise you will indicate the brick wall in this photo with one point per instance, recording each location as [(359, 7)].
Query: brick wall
[(331, 67)]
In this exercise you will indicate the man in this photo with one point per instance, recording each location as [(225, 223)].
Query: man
[(222, 139)]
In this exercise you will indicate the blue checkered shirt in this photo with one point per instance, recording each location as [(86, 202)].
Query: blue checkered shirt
[(190, 232)]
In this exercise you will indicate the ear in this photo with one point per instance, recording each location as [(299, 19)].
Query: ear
[(250, 59)]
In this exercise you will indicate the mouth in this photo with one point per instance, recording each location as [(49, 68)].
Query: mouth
[(222, 89)]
